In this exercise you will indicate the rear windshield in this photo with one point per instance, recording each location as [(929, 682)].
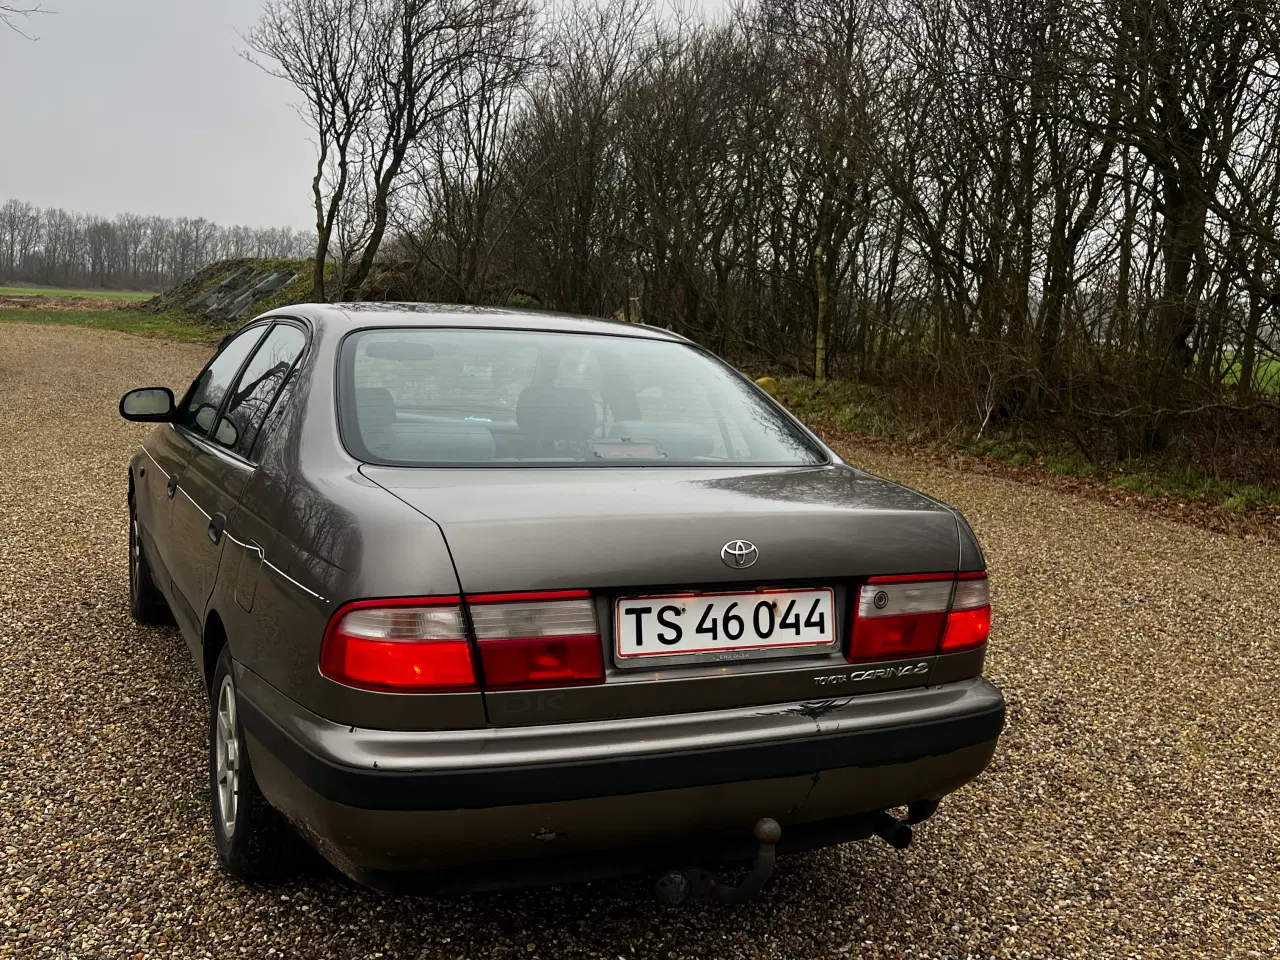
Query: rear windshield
[(419, 396)]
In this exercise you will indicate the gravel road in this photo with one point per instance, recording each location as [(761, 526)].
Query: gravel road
[(1133, 809)]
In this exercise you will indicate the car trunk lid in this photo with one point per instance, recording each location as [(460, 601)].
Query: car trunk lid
[(625, 532), (528, 528)]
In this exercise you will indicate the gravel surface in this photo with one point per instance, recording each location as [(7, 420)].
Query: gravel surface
[(1131, 810)]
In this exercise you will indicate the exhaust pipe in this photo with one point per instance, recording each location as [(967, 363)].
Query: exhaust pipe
[(678, 886), (896, 833)]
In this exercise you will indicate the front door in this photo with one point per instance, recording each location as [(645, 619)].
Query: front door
[(167, 454), (208, 491)]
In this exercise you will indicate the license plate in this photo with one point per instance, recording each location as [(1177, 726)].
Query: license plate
[(723, 623)]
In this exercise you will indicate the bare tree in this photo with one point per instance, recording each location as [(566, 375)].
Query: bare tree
[(457, 209), (324, 48), (61, 248), (422, 47), (11, 15), (570, 225)]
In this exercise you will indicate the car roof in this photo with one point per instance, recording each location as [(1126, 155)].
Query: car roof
[(353, 316)]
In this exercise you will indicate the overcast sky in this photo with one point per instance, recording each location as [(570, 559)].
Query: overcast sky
[(144, 106)]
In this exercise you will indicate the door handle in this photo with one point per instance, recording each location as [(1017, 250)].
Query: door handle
[(173, 485), (217, 524)]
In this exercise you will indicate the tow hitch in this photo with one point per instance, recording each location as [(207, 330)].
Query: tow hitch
[(677, 886), (693, 883), (896, 833)]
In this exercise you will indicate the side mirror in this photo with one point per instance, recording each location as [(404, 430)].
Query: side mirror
[(148, 405)]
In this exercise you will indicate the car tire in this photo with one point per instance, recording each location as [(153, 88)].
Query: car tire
[(146, 603), (255, 844)]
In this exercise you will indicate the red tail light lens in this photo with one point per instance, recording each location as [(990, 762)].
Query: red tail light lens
[(900, 617), (409, 645), (537, 639), (969, 622)]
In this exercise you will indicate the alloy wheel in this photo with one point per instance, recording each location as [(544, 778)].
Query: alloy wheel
[(227, 758), (135, 556)]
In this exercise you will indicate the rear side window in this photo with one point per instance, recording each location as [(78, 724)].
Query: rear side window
[(257, 387), (275, 416), (205, 396), (418, 396)]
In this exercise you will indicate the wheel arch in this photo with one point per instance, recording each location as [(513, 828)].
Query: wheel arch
[(132, 471), (214, 639)]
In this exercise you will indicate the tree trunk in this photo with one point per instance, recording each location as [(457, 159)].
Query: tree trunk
[(381, 211), (317, 274), (1124, 270), (820, 331), (1180, 241), (1249, 349)]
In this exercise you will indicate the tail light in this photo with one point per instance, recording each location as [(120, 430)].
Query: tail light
[(537, 639), (969, 622), (408, 645), (900, 617)]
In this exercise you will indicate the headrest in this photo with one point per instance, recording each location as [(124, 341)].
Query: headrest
[(679, 441), (558, 413), (437, 441), (375, 407)]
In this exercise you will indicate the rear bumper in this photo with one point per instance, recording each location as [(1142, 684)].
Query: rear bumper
[(375, 801), (373, 788)]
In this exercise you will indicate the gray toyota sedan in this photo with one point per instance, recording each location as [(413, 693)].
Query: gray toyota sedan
[(486, 597)]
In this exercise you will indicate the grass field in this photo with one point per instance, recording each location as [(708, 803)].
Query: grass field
[(58, 292), (1266, 375), (125, 321)]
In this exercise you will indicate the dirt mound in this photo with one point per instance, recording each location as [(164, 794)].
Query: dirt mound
[(236, 290)]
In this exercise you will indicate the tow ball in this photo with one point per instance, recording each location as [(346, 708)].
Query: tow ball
[(678, 886)]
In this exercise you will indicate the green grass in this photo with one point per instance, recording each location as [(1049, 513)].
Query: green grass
[(1192, 485), (1149, 481), (1069, 465), (1246, 498), (850, 406), (1011, 453), (1186, 484), (1266, 374), (57, 292), (125, 321)]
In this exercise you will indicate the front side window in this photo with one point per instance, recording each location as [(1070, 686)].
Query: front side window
[(257, 387), (419, 396), (205, 396)]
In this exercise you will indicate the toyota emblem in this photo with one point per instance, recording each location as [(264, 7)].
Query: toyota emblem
[(739, 554)]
